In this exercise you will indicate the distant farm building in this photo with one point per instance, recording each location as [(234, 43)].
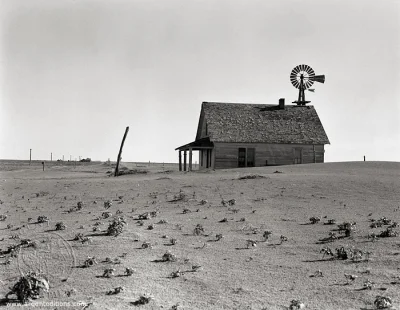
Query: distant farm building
[(232, 135)]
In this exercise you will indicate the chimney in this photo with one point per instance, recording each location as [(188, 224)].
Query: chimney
[(282, 104)]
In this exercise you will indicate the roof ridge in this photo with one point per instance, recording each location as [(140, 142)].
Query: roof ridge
[(244, 103)]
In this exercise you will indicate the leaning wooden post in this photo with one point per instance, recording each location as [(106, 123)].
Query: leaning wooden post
[(30, 156), (120, 151)]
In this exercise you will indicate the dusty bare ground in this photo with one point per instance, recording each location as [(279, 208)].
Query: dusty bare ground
[(232, 273)]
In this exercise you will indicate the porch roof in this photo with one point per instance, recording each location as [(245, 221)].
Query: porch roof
[(197, 145)]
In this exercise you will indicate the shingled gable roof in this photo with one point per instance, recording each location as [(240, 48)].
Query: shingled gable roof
[(260, 123)]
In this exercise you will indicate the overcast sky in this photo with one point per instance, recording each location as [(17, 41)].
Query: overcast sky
[(75, 73)]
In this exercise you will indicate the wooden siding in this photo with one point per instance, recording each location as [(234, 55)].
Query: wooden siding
[(226, 154)]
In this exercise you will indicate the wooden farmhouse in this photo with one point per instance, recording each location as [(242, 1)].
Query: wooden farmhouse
[(232, 135)]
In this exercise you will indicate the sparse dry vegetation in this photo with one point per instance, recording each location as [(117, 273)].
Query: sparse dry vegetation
[(269, 243), (29, 287)]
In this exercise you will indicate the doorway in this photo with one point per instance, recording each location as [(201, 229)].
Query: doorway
[(297, 156)]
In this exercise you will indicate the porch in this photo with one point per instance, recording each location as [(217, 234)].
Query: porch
[(205, 148)]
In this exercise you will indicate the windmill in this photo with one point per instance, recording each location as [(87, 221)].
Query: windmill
[(303, 77)]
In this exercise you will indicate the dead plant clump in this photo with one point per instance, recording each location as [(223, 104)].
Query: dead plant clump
[(116, 227), (266, 235), (218, 237), (372, 236), (42, 219), (317, 274), (106, 215), (60, 226), (28, 243), (388, 233), (283, 239), (230, 202), (107, 204), (89, 262), (347, 228), (78, 207), (382, 302), (350, 277), (116, 290), (146, 245), (173, 241), (30, 286), (327, 251), (3, 217), (108, 273), (368, 285), (315, 219), (251, 243), (196, 268), (86, 240), (176, 274), (143, 300), (78, 237), (148, 215), (70, 292), (296, 305), (198, 230), (115, 261), (168, 257), (181, 196), (129, 271)]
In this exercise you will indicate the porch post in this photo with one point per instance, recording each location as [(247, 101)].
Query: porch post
[(190, 159), (184, 160), (180, 161)]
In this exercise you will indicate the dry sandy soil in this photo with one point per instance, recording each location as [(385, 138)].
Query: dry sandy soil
[(232, 276)]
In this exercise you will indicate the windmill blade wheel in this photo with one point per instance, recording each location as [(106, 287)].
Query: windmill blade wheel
[(304, 73)]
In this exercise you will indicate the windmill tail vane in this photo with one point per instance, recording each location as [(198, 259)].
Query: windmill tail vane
[(303, 77)]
